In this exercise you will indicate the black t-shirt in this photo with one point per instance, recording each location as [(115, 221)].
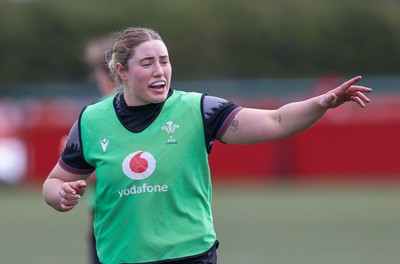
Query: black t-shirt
[(217, 113)]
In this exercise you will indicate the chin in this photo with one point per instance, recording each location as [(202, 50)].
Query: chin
[(158, 99)]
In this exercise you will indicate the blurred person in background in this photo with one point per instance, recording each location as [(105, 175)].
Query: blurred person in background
[(149, 145), (95, 57)]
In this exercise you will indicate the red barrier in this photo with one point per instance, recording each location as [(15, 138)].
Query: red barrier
[(13, 150), (348, 144), (49, 123), (362, 145), (234, 162)]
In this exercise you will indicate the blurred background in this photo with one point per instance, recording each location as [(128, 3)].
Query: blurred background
[(330, 194)]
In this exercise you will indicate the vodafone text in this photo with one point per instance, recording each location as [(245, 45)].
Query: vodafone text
[(144, 188)]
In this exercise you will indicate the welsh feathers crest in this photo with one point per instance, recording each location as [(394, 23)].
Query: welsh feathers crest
[(170, 129)]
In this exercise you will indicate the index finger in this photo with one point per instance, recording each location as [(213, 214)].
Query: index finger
[(352, 81)]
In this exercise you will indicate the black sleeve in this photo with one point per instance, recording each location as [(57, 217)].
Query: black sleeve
[(218, 113), (72, 159)]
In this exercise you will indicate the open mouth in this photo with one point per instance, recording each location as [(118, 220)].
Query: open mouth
[(158, 85)]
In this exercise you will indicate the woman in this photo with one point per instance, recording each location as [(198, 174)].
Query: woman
[(149, 145)]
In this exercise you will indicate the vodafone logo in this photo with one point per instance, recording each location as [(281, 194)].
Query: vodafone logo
[(139, 165)]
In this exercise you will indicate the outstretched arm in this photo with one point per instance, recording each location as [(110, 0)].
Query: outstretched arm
[(256, 125)]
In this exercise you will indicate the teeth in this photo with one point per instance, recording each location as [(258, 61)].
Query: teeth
[(158, 83)]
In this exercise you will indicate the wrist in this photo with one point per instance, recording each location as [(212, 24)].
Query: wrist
[(325, 101)]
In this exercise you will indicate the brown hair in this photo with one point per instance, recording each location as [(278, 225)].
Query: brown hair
[(124, 44)]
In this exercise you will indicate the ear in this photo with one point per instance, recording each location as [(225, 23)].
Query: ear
[(121, 71)]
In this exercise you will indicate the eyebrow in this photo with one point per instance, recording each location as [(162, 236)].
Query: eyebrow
[(152, 58)]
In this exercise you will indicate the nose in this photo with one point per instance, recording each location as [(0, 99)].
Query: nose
[(157, 71)]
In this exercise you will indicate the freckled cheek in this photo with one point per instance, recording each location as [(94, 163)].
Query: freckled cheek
[(140, 79), (168, 74)]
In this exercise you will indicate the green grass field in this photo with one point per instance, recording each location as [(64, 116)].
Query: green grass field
[(256, 225)]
